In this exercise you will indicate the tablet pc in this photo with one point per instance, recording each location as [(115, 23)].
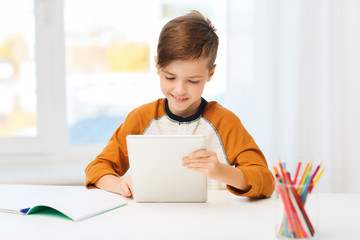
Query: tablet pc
[(156, 169)]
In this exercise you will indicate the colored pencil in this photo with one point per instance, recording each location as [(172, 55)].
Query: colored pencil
[(297, 171), (275, 170), (289, 216), (306, 167), (296, 222), (304, 214), (301, 222), (313, 176), (318, 176), (316, 170), (298, 203), (303, 178), (306, 189)]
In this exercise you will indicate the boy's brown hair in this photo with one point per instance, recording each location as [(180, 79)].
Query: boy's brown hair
[(187, 37)]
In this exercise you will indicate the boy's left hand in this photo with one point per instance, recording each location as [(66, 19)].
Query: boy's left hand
[(203, 161)]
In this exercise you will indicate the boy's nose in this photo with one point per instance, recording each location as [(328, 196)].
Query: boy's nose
[(180, 88)]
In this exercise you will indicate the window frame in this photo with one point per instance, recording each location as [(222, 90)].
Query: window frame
[(50, 87)]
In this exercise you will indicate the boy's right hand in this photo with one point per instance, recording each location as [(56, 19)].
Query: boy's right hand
[(125, 187), (115, 184)]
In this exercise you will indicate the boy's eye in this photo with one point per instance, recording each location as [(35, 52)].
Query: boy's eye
[(194, 82), (169, 78)]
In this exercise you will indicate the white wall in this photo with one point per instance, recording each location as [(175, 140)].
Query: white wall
[(344, 77), (302, 100)]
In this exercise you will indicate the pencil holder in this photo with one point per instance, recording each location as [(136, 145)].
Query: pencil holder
[(297, 210)]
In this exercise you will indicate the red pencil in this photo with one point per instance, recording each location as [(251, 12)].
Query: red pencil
[(286, 203), (281, 173), (291, 209), (301, 205), (313, 176), (297, 171), (316, 170)]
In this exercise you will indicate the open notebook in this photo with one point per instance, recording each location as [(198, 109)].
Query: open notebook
[(74, 202)]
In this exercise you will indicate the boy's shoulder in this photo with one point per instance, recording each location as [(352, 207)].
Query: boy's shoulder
[(223, 119), (153, 104), (153, 109), (216, 110)]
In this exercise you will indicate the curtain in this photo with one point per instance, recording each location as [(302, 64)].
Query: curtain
[(302, 98)]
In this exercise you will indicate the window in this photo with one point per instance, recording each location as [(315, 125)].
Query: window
[(78, 68), (17, 70)]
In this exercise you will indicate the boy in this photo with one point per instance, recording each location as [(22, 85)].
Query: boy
[(185, 60)]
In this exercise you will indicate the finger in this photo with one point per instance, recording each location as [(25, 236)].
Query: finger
[(185, 161), (203, 153), (188, 161), (201, 170), (124, 189), (123, 192), (202, 165), (129, 185)]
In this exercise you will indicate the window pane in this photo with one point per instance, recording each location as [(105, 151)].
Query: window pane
[(17, 70), (110, 49)]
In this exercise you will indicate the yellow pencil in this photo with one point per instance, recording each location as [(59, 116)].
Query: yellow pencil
[(275, 170), (318, 175)]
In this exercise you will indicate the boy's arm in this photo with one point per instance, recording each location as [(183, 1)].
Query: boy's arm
[(111, 161), (242, 154), (257, 175), (245, 155)]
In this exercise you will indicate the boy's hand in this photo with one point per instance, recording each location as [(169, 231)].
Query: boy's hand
[(207, 163), (125, 187), (115, 184), (203, 161)]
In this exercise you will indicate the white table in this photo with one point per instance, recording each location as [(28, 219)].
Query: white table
[(224, 216)]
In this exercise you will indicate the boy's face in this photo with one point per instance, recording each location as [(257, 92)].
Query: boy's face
[(182, 82)]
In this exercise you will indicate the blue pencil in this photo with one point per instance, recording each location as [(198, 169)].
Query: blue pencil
[(306, 189)]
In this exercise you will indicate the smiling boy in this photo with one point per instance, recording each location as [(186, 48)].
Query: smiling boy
[(185, 62)]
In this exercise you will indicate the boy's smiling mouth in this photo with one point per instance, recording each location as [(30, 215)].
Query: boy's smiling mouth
[(178, 99)]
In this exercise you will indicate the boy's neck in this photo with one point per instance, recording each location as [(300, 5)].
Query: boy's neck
[(193, 117)]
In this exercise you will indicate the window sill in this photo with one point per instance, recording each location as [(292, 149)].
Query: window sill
[(44, 173)]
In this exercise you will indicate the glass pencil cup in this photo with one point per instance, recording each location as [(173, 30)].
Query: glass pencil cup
[(297, 210)]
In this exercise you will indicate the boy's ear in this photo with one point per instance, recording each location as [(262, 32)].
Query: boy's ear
[(156, 64), (211, 74)]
